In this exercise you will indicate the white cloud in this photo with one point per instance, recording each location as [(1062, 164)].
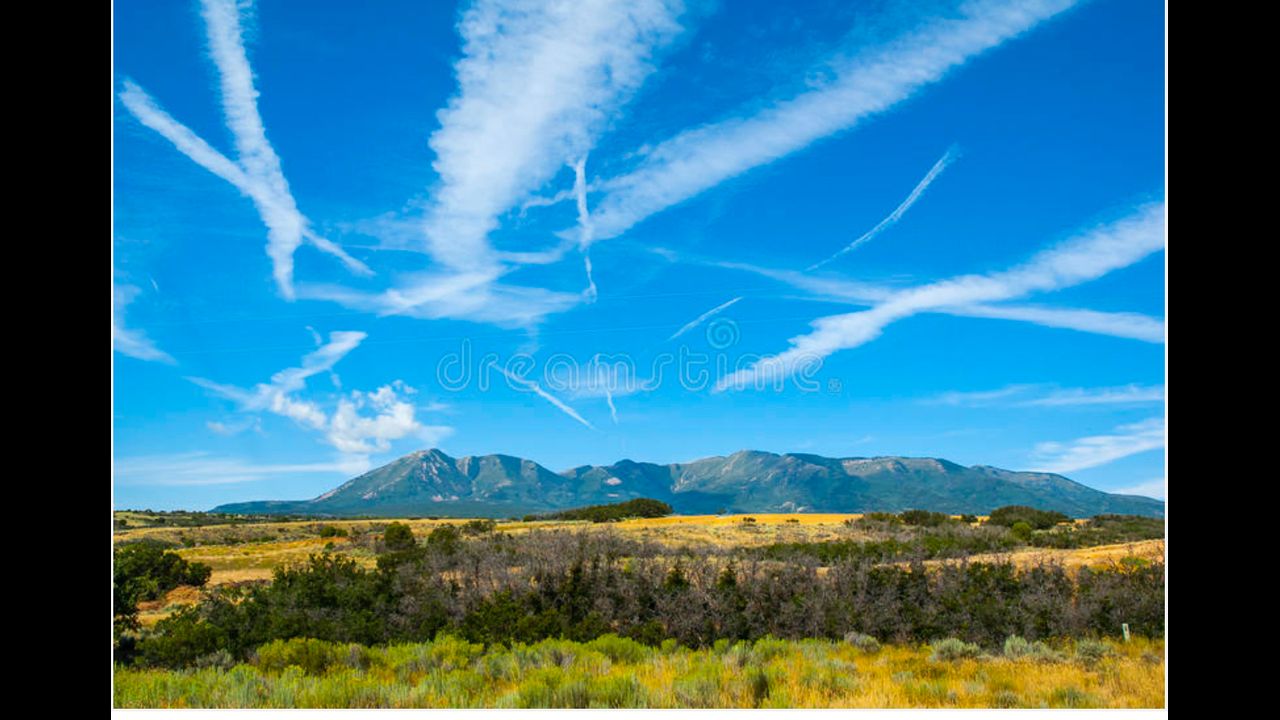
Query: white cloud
[(1126, 395), (519, 382), (392, 419), (1086, 257), (827, 288), (980, 397), (1151, 488), (899, 211), (258, 174), (701, 318), (228, 429), (870, 83), (584, 225), (1031, 395), (537, 83), (1087, 452), (203, 468), (349, 429), (1133, 326), (459, 296), (133, 343)]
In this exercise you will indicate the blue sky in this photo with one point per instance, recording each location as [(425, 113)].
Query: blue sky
[(657, 229)]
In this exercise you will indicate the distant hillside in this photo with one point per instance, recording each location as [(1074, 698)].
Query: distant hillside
[(430, 482)]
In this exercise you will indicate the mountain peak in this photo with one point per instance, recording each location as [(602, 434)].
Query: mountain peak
[(430, 482)]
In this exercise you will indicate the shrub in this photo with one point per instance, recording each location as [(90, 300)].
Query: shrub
[(954, 649), (923, 518), (1092, 651), (329, 531), (1008, 515), (314, 657), (445, 538), (479, 527), (620, 650), (1017, 648), (1021, 530), (862, 641), (636, 508), (398, 536)]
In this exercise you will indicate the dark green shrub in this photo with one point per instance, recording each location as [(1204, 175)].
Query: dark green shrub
[(479, 527), (398, 536), (1009, 515), (923, 518)]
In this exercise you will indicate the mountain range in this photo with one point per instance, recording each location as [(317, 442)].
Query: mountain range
[(431, 483)]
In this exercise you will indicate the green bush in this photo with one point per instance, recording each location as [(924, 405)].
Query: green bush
[(862, 641), (954, 649), (636, 508), (1092, 651), (1009, 515), (479, 527), (924, 518), (1018, 648), (314, 657), (398, 536), (620, 650)]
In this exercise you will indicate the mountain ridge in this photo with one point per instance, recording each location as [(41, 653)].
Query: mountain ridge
[(430, 482)]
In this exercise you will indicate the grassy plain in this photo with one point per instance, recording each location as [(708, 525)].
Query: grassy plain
[(615, 672)]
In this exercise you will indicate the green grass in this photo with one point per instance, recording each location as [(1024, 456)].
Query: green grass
[(612, 672)]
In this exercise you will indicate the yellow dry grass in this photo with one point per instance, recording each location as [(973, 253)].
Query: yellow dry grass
[(773, 674), (1073, 559), (246, 561), (152, 611), (256, 561)]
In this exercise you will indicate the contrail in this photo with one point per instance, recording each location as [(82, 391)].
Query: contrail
[(537, 389), (698, 320), (899, 211), (584, 224)]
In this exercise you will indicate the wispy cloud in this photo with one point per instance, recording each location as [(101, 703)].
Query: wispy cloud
[(1095, 450), (1084, 258), (1151, 488), (131, 342), (347, 429), (980, 397), (1035, 395), (537, 83), (473, 296), (584, 224), (829, 288), (1132, 326), (1125, 395), (258, 174), (702, 318), (534, 387), (899, 211), (229, 429), (870, 83), (204, 468)]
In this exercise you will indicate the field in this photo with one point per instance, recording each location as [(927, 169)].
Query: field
[(612, 672), (1073, 666)]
